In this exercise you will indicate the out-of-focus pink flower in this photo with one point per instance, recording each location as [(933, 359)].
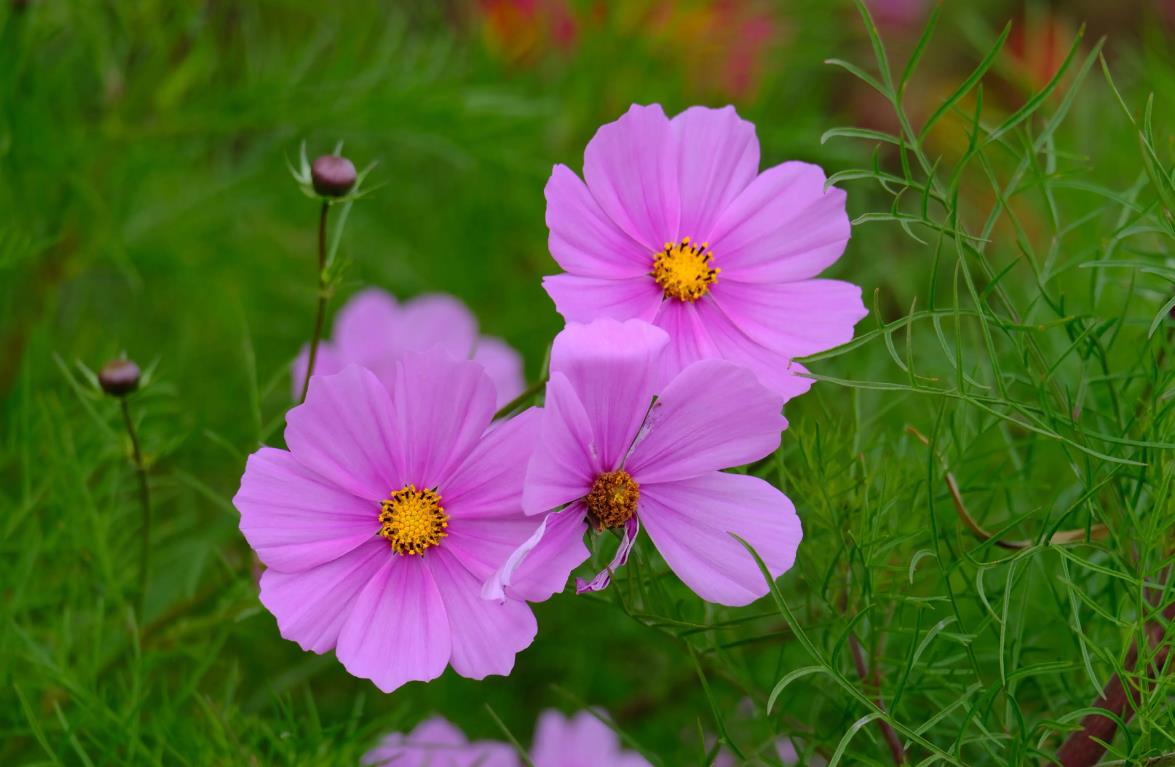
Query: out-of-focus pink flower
[(897, 13), (1037, 47), (395, 501), (676, 226), (436, 743), (521, 31), (609, 457), (373, 330), (579, 741)]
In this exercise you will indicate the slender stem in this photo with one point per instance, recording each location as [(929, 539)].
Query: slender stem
[(320, 317), (522, 399), (870, 680), (145, 498), (1121, 697)]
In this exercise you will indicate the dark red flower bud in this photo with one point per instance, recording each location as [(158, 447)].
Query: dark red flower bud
[(119, 377), (333, 176)]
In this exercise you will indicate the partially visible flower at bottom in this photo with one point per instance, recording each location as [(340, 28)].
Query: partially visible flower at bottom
[(582, 740), (785, 749), (396, 500), (436, 743), (610, 458), (373, 330)]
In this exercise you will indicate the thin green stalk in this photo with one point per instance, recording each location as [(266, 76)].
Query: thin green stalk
[(320, 317), (522, 399), (145, 499)]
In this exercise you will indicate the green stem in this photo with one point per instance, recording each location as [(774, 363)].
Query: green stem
[(521, 399), (145, 499), (320, 317)]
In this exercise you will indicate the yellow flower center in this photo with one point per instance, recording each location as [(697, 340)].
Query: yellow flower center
[(612, 500), (412, 520), (683, 270)]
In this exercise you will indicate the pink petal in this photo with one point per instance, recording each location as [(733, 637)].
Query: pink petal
[(591, 741), (601, 580), (311, 606), (794, 318), (397, 631), (504, 367), (566, 458), (615, 369), (631, 170), (717, 157), (441, 407), (437, 321), (784, 226), (296, 520), (774, 369), (486, 635), (583, 299), (583, 239), (365, 328), (690, 522), (689, 339), (344, 433), (436, 743), (488, 483), (326, 363), (540, 566), (712, 416)]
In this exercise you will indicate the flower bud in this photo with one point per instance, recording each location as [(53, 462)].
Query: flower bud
[(332, 175), (119, 377)]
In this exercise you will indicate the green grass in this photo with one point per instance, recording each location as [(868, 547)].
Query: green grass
[(1016, 365)]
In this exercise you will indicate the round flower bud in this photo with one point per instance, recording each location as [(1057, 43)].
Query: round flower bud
[(119, 377), (333, 176)]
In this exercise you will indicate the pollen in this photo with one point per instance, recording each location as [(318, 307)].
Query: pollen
[(683, 270), (412, 520), (612, 500)]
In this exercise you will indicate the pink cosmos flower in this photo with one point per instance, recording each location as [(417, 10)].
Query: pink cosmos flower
[(394, 503), (579, 741), (676, 226), (605, 459), (436, 743), (372, 330)]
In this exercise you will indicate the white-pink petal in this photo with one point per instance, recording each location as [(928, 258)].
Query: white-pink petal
[(485, 634), (583, 299), (717, 157), (311, 605), (344, 433), (631, 169), (714, 415), (793, 318), (583, 239), (567, 458), (784, 226), (397, 630), (441, 407), (294, 519), (691, 521)]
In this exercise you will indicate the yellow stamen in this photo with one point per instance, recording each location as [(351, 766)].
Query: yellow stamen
[(412, 520), (612, 500), (683, 270)]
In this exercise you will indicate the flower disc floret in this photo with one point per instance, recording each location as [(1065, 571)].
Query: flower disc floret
[(412, 520), (683, 270), (612, 500)]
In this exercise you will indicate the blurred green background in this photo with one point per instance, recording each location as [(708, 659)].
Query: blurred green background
[(146, 208)]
